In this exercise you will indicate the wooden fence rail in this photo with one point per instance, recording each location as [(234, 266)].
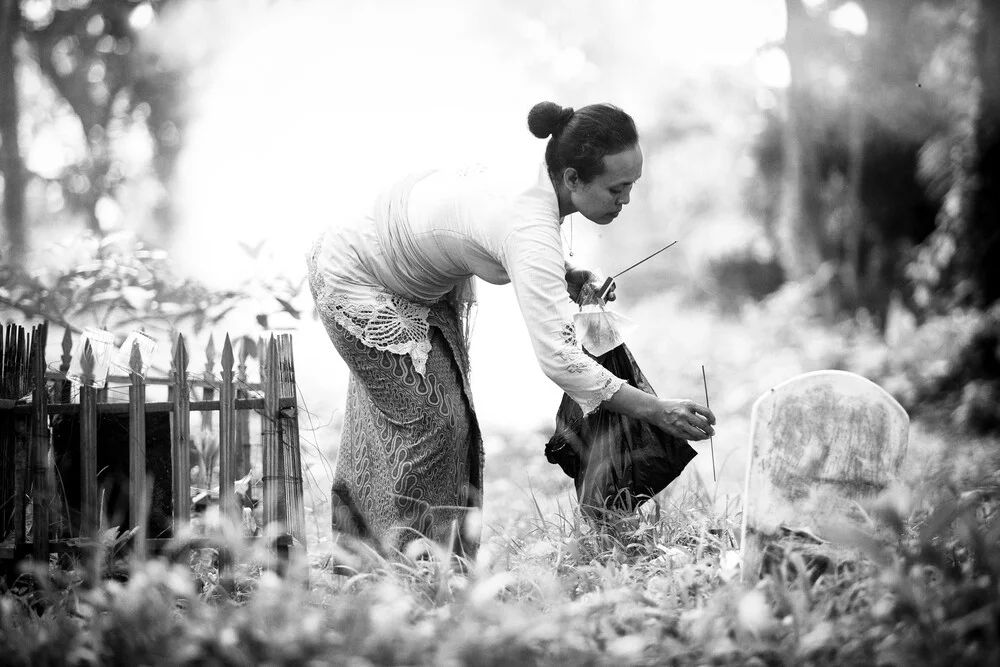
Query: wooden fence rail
[(31, 395)]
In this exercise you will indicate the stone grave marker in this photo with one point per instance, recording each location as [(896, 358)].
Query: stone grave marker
[(820, 443)]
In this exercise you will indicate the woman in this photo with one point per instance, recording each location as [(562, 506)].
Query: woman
[(394, 290)]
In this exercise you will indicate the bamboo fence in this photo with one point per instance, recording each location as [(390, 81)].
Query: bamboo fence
[(31, 393)]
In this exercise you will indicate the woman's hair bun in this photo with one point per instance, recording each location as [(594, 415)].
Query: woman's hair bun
[(548, 118)]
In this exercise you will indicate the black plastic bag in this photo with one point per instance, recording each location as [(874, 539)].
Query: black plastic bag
[(616, 461)]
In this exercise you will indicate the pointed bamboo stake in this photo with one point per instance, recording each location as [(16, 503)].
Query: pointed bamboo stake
[(208, 391), (244, 462), (40, 441), (7, 447), (271, 438), (22, 384), (64, 388), (227, 436), (89, 502), (137, 498), (290, 431), (180, 447), (24, 445)]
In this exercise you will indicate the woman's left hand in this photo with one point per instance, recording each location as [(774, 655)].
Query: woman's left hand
[(585, 285)]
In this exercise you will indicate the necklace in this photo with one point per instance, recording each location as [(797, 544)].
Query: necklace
[(571, 235)]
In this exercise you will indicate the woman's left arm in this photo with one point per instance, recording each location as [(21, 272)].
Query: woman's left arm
[(585, 284), (533, 259)]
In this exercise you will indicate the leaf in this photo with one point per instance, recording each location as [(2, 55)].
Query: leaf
[(109, 536), (248, 346), (139, 298), (105, 297), (253, 251), (289, 308)]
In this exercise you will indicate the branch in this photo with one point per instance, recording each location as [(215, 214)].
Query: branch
[(32, 311)]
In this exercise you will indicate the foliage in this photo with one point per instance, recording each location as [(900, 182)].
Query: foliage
[(116, 281), (950, 362), (112, 107), (661, 589), (885, 124)]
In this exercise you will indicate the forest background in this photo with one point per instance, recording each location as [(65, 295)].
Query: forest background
[(830, 170)]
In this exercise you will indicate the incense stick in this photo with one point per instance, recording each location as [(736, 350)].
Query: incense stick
[(607, 283), (711, 440)]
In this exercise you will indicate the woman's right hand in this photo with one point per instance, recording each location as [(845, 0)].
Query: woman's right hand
[(682, 418), (677, 416)]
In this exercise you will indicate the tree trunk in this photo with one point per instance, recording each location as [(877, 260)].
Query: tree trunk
[(799, 224), (984, 223), (11, 165)]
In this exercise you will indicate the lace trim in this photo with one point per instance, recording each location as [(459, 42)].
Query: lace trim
[(611, 386), (569, 335), (574, 358), (577, 361), (390, 323)]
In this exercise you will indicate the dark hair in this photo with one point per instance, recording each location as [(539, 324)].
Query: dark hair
[(581, 138)]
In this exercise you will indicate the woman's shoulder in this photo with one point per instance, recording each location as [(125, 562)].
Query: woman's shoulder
[(524, 189)]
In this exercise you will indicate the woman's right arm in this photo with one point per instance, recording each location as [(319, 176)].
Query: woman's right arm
[(533, 259), (680, 417)]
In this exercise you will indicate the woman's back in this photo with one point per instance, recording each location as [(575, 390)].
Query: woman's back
[(457, 221)]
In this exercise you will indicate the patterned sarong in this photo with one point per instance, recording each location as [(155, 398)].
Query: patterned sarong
[(410, 460)]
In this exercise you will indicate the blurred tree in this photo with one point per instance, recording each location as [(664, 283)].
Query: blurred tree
[(11, 167), (101, 118), (799, 221), (126, 101), (985, 215), (887, 109)]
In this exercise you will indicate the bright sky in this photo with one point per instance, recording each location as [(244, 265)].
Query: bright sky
[(304, 118)]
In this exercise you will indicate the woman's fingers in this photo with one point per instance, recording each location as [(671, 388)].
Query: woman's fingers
[(704, 413), (584, 287), (690, 421), (689, 432)]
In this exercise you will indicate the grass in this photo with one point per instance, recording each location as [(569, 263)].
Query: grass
[(920, 585)]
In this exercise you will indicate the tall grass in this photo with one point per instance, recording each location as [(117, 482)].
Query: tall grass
[(920, 586)]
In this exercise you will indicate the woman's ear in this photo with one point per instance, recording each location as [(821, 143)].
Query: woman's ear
[(571, 179)]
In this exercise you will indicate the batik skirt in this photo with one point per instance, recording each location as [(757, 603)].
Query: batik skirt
[(410, 462)]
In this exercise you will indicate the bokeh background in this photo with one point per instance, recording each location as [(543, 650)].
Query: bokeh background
[(829, 170)]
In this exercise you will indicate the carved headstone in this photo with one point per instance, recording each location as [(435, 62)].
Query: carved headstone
[(820, 444)]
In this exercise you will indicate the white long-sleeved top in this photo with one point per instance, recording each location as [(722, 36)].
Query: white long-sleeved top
[(433, 232)]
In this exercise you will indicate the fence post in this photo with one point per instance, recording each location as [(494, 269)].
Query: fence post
[(64, 387), (208, 391), (14, 375), (40, 441), (19, 358), (89, 502), (244, 457), (180, 447), (227, 434), (271, 437), (137, 498), (290, 438)]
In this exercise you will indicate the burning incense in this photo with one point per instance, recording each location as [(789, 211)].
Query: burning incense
[(711, 441)]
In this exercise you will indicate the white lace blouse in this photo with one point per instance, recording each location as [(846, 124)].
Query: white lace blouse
[(433, 232)]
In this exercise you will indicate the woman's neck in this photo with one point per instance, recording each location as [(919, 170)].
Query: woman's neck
[(566, 206)]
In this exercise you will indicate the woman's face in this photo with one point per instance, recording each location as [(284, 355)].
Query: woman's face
[(602, 199)]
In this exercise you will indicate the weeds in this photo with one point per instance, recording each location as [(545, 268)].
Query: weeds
[(657, 588)]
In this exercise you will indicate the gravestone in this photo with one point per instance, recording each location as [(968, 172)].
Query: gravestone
[(820, 444)]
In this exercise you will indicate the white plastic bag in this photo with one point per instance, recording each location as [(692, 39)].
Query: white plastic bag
[(599, 330)]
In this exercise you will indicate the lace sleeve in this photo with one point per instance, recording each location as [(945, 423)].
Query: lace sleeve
[(533, 259)]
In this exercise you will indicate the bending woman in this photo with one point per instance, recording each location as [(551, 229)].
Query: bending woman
[(393, 290)]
